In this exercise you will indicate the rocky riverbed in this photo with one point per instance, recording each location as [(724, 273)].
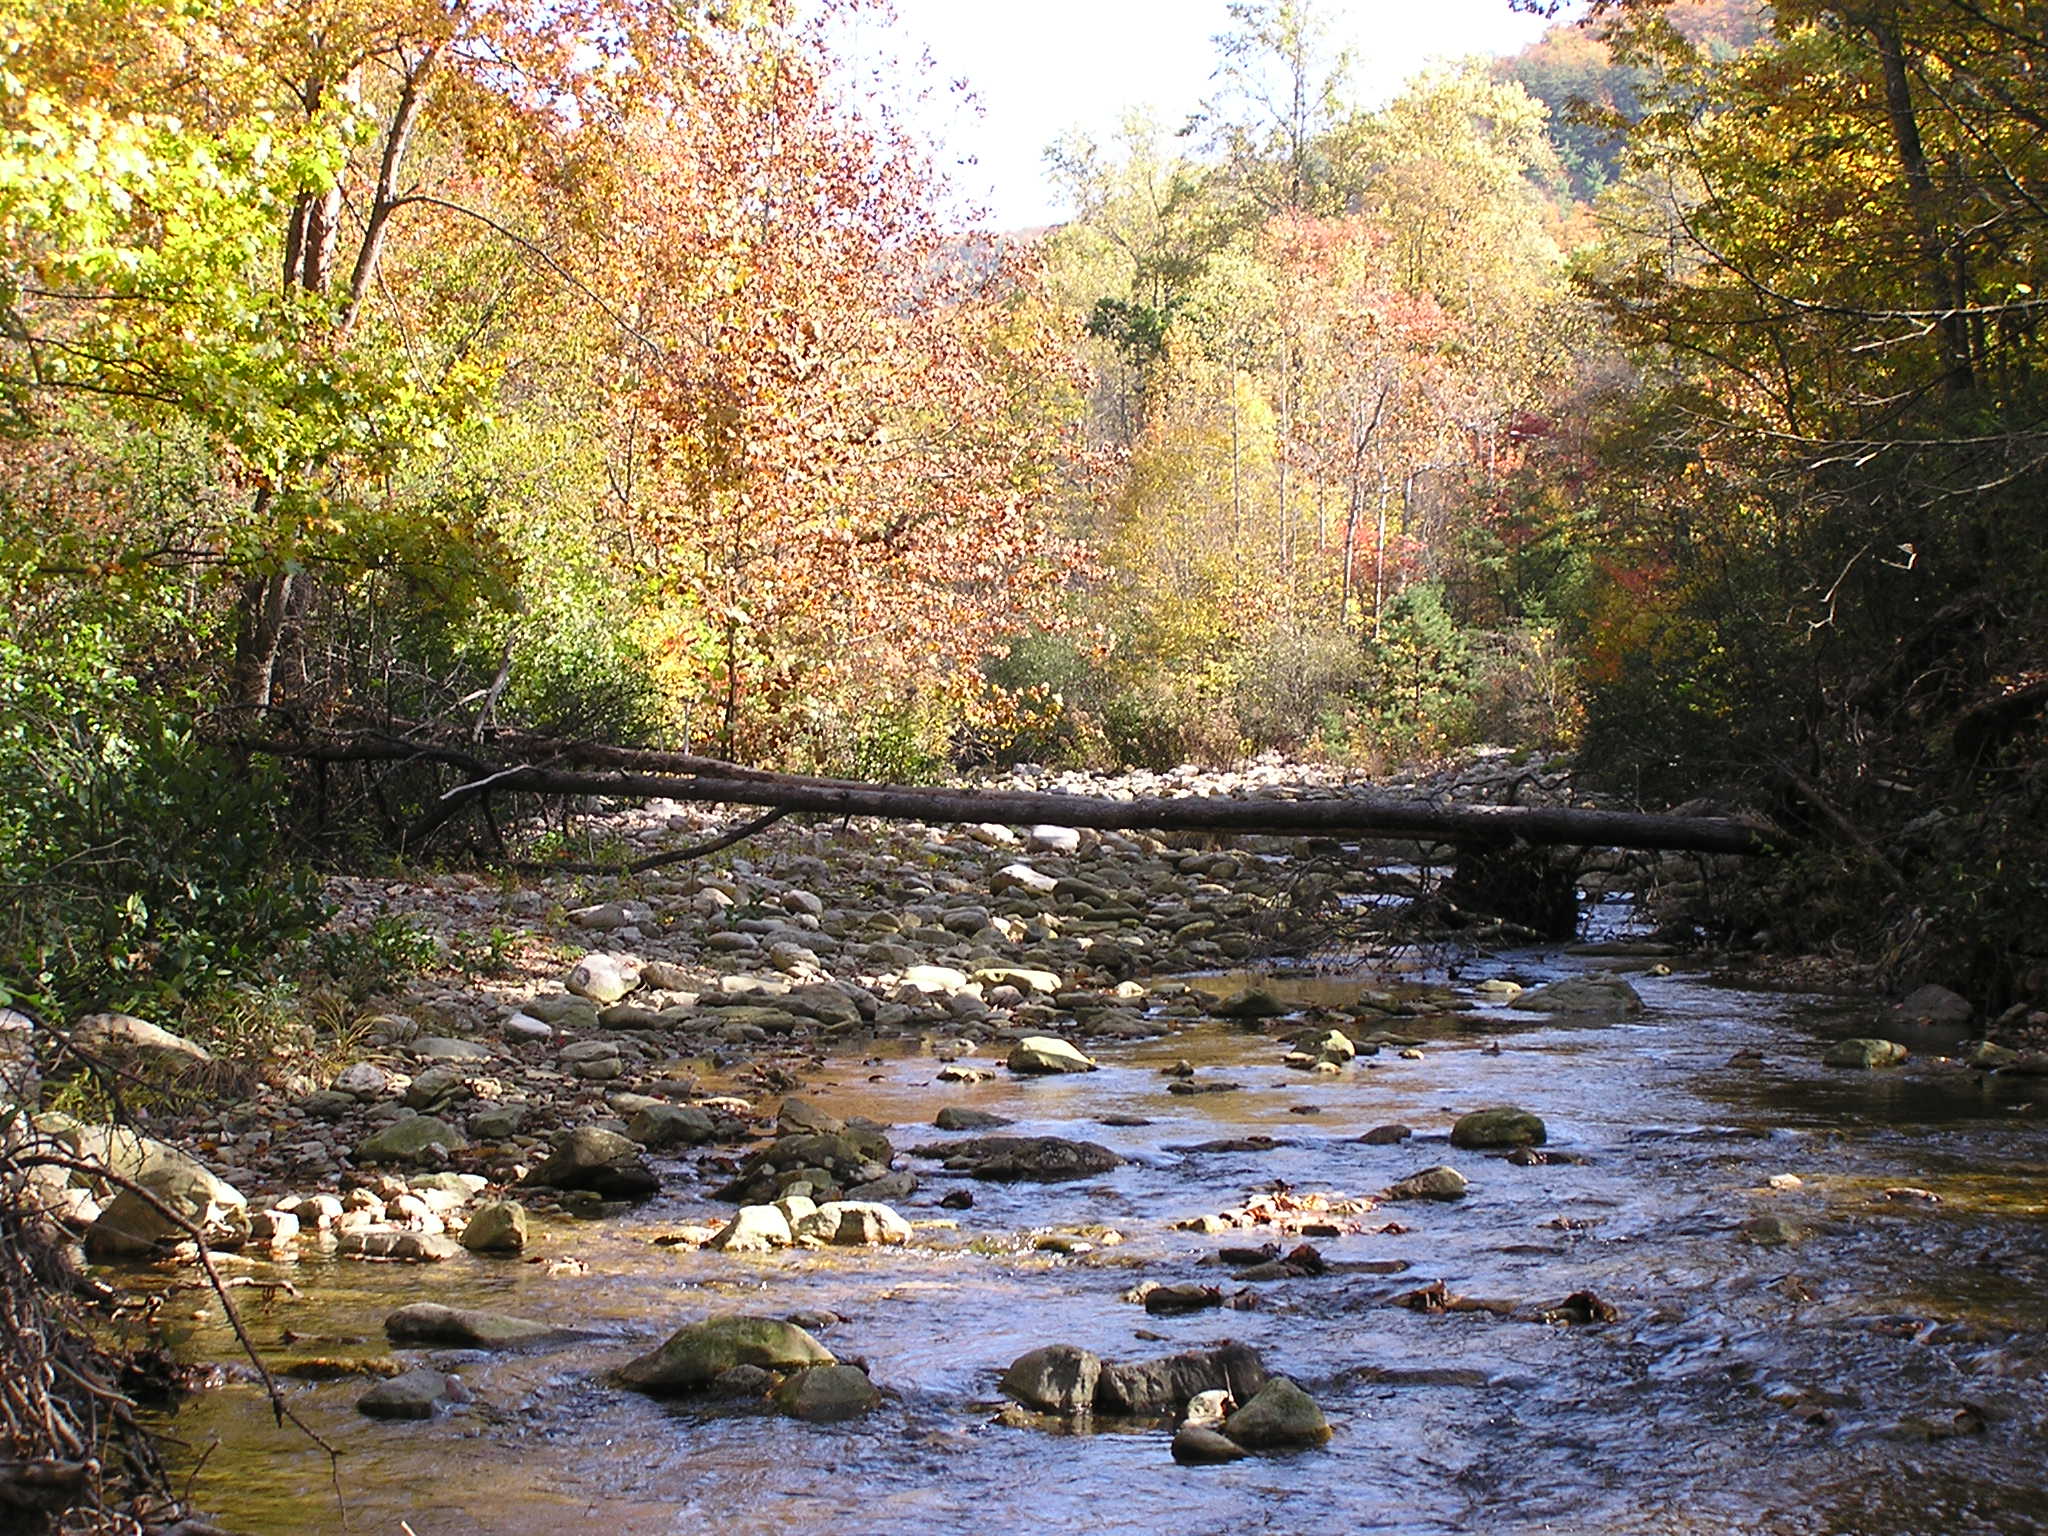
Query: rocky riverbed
[(944, 1143)]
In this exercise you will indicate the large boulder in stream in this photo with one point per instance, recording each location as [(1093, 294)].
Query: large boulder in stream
[(853, 1224), (1279, 1417), (1067, 1380), (419, 1394), (1044, 1159), (1046, 1055), (827, 1394), (1597, 996), (430, 1323), (598, 1160), (1502, 1125), (1439, 1183), (697, 1354), (1864, 1053), (830, 1162), (499, 1227), (1156, 1388), (167, 1205), (1059, 1378)]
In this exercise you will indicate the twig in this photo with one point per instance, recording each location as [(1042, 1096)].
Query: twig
[(676, 856), (279, 1408)]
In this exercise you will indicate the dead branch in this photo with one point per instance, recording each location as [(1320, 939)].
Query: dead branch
[(641, 866), (722, 783)]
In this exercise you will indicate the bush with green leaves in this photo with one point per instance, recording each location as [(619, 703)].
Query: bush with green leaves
[(140, 864)]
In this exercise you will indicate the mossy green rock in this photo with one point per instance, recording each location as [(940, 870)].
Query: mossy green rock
[(696, 1355), (1503, 1125), (1862, 1052), (1280, 1417)]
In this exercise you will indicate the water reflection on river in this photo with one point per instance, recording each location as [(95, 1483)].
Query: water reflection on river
[(1813, 1387)]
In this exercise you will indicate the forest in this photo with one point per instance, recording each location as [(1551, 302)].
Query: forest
[(387, 385), (1664, 393)]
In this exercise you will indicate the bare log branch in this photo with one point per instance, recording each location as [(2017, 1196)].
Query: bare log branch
[(640, 867), (709, 780)]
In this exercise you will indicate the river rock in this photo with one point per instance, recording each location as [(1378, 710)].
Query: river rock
[(417, 1394), (696, 1354), (800, 1117), (598, 1160), (499, 1227), (117, 1148), (754, 1229), (1279, 1417), (1864, 1053), (20, 1079), (132, 1226), (853, 1224), (1438, 1183), (665, 977), (397, 1244), (410, 1140), (1037, 1055), (1024, 979), (827, 1394), (1156, 1388), (1251, 1004), (1502, 1125), (1600, 995), (129, 1044), (1014, 1158), (1050, 839), (828, 1162), (1325, 1045), (661, 1126), (826, 1003), (934, 980), (430, 1323), (890, 1187), (602, 978), (436, 1088), (1060, 1378), (1771, 1230), (1386, 1135), (274, 1228), (366, 1080), (501, 1122), (525, 1029), (1198, 1445), (956, 1117), (564, 1011)]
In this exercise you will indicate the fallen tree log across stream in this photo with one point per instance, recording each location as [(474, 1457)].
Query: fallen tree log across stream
[(548, 767)]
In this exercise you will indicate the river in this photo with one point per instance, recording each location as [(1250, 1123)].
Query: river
[(1883, 1372)]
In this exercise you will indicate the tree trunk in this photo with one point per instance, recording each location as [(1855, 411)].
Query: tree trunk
[(646, 774), (266, 600)]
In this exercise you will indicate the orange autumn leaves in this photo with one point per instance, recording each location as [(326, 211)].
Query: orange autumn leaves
[(856, 420)]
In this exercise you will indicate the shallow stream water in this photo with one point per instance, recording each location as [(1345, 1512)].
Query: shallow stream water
[(1885, 1373)]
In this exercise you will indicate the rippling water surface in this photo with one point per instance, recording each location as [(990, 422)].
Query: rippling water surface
[(1816, 1387)]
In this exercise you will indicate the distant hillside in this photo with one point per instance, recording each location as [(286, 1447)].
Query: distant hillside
[(1568, 69)]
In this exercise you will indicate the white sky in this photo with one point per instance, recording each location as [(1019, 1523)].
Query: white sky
[(1041, 67)]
